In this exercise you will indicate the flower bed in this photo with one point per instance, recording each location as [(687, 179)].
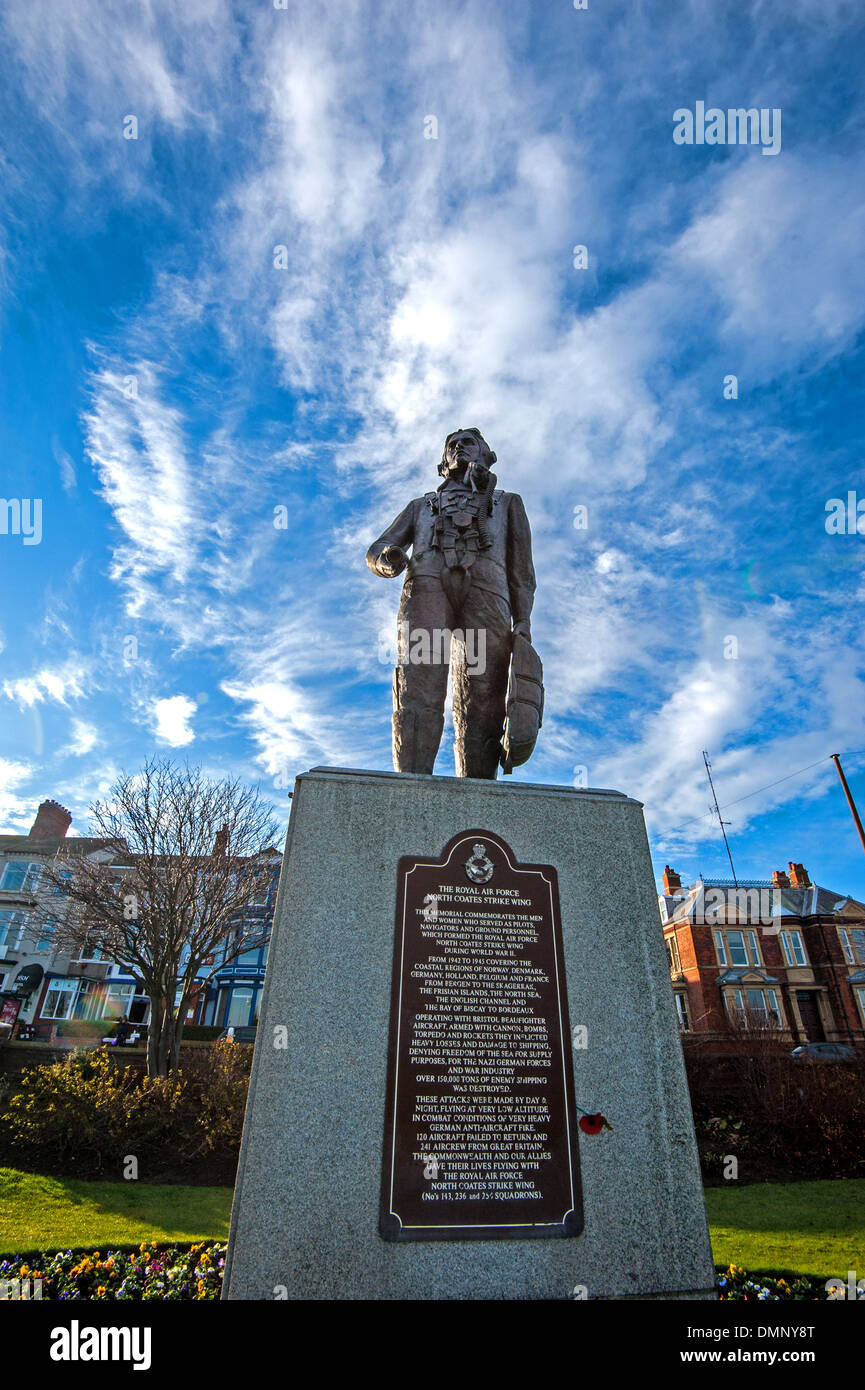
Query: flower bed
[(151, 1271), (736, 1284), (195, 1272)]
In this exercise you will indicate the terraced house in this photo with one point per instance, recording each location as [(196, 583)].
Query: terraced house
[(42, 989), (780, 955), (40, 986)]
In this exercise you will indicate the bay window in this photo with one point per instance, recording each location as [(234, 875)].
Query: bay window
[(753, 1007), (60, 999)]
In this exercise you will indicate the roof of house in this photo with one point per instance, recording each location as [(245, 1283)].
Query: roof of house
[(73, 844), (813, 901)]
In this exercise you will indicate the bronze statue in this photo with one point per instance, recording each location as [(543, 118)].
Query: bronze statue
[(470, 578)]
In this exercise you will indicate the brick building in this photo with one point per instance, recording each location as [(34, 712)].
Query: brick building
[(781, 954)]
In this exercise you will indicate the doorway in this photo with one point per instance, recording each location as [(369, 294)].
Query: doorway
[(810, 1015)]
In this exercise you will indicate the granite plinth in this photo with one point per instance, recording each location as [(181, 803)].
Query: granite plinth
[(305, 1217)]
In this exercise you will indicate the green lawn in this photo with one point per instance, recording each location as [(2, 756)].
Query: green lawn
[(804, 1227), (38, 1213)]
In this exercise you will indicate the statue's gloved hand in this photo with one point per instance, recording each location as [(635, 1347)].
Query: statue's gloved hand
[(523, 629), (392, 560)]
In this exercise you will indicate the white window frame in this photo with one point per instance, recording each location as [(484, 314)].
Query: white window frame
[(238, 991), (744, 962), (720, 948), (122, 991), (99, 997), (19, 919), (44, 937), (854, 954), (65, 989), (745, 1012), (755, 950), (738, 1005), (30, 882), (682, 1011), (791, 937)]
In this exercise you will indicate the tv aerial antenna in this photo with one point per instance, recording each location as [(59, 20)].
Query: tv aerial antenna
[(721, 821)]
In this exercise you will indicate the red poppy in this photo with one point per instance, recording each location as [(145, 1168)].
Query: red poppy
[(593, 1124)]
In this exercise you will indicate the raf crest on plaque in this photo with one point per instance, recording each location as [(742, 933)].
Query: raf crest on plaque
[(479, 868)]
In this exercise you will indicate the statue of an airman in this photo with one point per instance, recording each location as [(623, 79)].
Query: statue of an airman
[(470, 580)]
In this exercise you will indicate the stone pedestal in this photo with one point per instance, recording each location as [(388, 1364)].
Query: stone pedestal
[(305, 1222)]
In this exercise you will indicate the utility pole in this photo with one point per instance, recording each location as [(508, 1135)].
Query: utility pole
[(850, 802), (721, 822)]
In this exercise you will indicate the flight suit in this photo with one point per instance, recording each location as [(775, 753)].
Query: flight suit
[(470, 569)]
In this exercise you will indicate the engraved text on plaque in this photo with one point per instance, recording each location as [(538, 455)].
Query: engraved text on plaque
[(480, 1130)]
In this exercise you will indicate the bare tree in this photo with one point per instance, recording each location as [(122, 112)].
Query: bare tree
[(167, 902)]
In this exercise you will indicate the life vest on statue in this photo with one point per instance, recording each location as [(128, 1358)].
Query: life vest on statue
[(461, 511)]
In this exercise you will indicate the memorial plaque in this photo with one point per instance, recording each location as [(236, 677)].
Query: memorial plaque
[(480, 1129)]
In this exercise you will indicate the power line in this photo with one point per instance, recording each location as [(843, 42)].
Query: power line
[(748, 795)]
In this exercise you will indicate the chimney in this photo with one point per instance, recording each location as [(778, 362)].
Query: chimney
[(51, 823), (798, 875), (220, 844), (672, 882), (780, 879)]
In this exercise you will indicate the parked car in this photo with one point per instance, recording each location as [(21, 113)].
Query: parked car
[(244, 1035), (826, 1052)]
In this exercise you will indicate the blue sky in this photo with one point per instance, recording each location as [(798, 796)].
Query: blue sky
[(165, 386)]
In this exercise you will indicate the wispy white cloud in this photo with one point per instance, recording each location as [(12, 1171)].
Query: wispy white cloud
[(16, 809), (85, 738), (136, 443), (779, 249), (61, 684), (156, 61), (67, 468)]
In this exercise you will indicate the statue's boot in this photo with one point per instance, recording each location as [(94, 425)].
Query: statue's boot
[(416, 738), (476, 754)]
